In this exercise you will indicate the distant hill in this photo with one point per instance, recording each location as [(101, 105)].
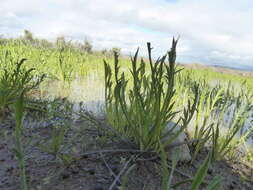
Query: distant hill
[(241, 68), (243, 71)]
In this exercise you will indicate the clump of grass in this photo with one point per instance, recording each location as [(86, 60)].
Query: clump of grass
[(65, 68), (227, 142), (16, 80), (203, 125), (142, 109)]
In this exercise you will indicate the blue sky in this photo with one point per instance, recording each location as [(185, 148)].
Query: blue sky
[(211, 32)]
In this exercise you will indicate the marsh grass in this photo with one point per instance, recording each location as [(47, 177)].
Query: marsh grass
[(142, 111), (224, 143), (147, 107), (222, 113), (15, 81), (207, 105), (64, 67), (139, 103), (19, 150)]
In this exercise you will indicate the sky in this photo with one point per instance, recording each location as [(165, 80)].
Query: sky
[(216, 32)]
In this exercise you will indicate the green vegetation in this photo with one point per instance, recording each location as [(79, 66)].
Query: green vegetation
[(211, 108), (18, 150), (142, 112), (14, 85), (14, 81)]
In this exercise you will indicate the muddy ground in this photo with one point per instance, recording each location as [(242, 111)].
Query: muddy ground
[(77, 167)]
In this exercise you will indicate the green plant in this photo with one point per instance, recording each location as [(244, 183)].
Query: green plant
[(207, 105), (217, 92), (65, 69), (16, 80), (166, 176), (141, 110), (201, 173), (56, 143), (215, 184), (18, 150), (224, 143), (14, 84), (248, 150)]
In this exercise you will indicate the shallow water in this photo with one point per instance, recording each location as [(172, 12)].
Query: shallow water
[(90, 93)]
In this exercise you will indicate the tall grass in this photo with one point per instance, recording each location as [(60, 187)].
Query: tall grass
[(18, 150), (15, 82), (142, 110), (139, 103)]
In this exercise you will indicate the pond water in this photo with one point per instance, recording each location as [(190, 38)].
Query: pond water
[(91, 93)]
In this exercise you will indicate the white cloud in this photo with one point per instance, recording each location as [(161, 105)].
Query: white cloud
[(218, 31)]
